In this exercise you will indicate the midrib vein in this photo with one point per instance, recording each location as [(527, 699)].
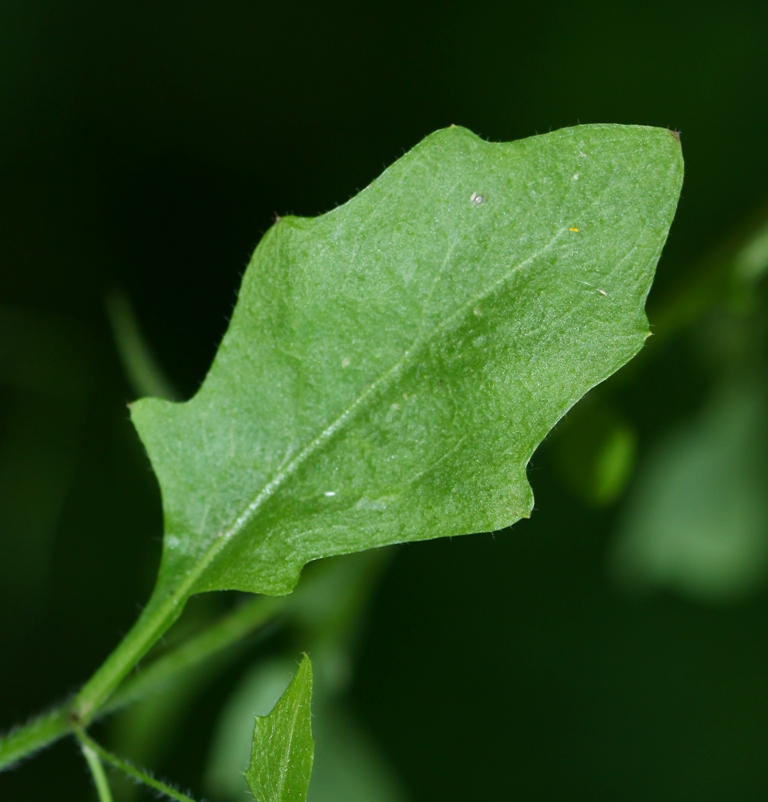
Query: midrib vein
[(227, 535)]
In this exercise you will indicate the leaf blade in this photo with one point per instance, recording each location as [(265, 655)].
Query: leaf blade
[(392, 365)]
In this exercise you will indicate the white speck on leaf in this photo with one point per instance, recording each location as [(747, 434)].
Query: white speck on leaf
[(601, 291), (345, 362), (476, 199), (330, 493)]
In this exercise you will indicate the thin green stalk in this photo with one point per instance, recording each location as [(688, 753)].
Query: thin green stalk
[(97, 772), (33, 736), (132, 771), (141, 366), (158, 616), (222, 634), (161, 612)]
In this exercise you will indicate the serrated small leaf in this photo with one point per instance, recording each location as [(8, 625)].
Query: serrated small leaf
[(391, 366), (283, 749)]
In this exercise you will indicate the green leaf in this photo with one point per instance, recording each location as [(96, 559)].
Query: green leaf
[(282, 751), (347, 765), (391, 366)]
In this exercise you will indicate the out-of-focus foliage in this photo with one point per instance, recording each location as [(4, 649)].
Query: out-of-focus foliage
[(45, 385), (595, 450), (141, 367), (698, 518)]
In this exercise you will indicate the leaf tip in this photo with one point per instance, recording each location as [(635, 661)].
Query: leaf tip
[(675, 134), (305, 667), (282, 751)]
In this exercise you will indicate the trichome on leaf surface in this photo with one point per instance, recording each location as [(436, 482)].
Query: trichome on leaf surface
[(389, 369)]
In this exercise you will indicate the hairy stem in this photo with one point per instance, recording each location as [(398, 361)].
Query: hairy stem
[(158, 616), (223, 634), (36, 734), (219, 636), (97, 772), (99, 752)]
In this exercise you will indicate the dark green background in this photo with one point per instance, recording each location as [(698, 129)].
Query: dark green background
[(148, 146)]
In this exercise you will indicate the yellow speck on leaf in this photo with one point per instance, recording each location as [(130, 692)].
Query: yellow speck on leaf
[(573, 228)]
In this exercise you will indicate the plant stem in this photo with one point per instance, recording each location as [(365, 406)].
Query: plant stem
[(33, 736), (138, 774), (232, 628), (158, 616), (227, 631), (97, 772), (162, 610)]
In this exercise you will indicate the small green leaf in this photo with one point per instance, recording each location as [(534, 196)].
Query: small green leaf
[(283, 749), (391, 366)]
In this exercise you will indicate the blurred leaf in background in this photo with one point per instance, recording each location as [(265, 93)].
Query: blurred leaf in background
[(698, 517), (595, 450), (45, 377)]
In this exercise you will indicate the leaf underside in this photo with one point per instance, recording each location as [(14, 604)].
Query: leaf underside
[(283, 750), (391, 366)]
